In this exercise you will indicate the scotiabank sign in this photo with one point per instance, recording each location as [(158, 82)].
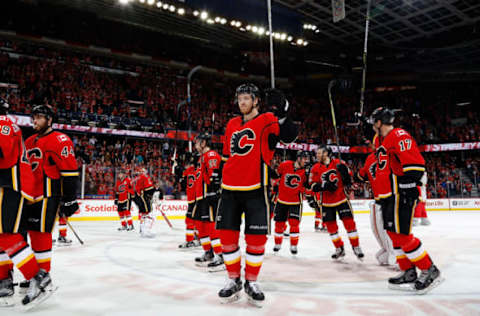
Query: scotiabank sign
[(107, 208)]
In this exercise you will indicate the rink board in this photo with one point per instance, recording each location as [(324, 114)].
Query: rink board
[(106, 210)]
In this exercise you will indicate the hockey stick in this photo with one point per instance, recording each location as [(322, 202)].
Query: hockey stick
[(330, 86), (73, 230)]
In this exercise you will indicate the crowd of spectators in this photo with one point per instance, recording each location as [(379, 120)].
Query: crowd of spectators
[(86, 89)]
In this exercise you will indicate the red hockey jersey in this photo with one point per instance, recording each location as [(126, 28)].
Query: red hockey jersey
[(142, 183), (330, 174), (210, 163), (15, 169), (52, 158), (124, 189), (379, 178), (402, 151), (189, 175), (315, 173), (291, 185), (247, 153)]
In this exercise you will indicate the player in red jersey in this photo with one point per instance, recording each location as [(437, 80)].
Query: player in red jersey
[(54, 167), (407, 168), (188, 182), (420, 214), (290, 198), (249, 146), (206, 209), (144, 189), (315, 198), (380, 183), (123, 196), (331, 180), (17, 188)]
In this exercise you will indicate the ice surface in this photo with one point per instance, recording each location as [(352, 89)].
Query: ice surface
[(119, 273)]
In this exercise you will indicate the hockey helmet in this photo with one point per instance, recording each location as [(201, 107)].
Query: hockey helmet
[(247, 88), (203, 137), (302, 154), (43, 109), (382, 114), (3, 105)]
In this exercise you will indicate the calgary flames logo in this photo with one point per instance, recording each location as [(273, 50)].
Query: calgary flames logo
[(373, 169), (190, 180), (241, 142), (382, 157), (292, 180), (330, 176), (34, 155)]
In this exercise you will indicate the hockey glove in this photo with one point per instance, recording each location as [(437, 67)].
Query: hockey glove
[(277, 103), (407, 188), (311, 202), (115, 202), (69, 208)]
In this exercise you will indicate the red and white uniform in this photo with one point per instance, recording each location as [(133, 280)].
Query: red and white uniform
[(189, 175), (199, 184), (247, 153), (124, 190), (210, 164), (142, 183), (379, 178), (52, 157), (291, 186), (329, 173)]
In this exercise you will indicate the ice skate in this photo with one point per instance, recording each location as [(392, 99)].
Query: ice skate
[(231, 291), (130, 228), (122, 228), (205, 259), (358, 252), (39, 290), (62, 241), (276, 248), (318, 229), (6, 292), (187, 245), (255, 295), (403, 281), (23, 287), (425, 221), (428, 280), (196, 243), (339, 253), (293, 250), (217, 264)]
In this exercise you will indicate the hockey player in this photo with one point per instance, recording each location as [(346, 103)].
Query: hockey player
[(144, 189), (380, 183), (123, 195), (249, 145), (315, 198), (54, 167), (407, 166), (189, 184), (16, 189), (331, 180), (206, 209), (290, 198), (420, 214)]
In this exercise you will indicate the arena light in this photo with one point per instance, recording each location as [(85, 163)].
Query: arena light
[(159, 4), (277, 36), (210, 21), (217, 19), (249, 27), (181, 11), (233, 23), (142, 1), (289, 38), (283, 36), (223, 21), (150, 2), (305, 43), (254, 29), (300, 41), (165, 6), (196, 13), (204, 15), (261, 31), (238, 24), (172, 8), (123, 2)]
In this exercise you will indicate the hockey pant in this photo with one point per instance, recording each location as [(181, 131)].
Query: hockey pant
[(386, 255)]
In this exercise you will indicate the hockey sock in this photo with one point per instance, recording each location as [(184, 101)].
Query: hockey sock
[(231, 252), (128, 215), (215, 238), (204, 234), (254, 256), (318, 217), (420, 210), (62, 226), (351, 229), (415, 253), (189, 231), (333, 231), (20, 253), (294, 230), (402, 260), (6, 265), (279, 229), (42, 247)]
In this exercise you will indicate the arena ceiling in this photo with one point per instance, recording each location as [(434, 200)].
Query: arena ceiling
[(423, 34)]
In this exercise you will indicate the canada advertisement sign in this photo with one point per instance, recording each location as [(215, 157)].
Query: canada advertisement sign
[(176, 209)]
